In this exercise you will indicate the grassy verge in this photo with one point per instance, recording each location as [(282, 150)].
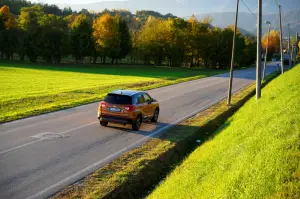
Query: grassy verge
[(138, 171), (28, 90), (255, 154)]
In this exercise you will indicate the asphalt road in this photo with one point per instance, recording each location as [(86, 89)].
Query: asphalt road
[(41, 155)]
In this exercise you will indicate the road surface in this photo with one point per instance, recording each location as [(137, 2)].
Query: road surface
[(41, 155)]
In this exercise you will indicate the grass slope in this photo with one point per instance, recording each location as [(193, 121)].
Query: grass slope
[(33, 89), (255, 154)]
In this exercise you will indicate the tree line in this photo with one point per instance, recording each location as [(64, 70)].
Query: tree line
[(117, 35)]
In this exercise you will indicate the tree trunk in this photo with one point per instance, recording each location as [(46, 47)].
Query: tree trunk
[(198, 63), (94, 59), (22, 56)]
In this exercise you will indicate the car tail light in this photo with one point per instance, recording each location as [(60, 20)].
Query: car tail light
[(102, 105), (130, 108)]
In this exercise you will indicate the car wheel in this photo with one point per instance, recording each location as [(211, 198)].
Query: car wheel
[(103, 123), (137, 123), (155, 116)]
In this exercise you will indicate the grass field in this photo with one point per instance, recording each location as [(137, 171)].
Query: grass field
[(255, 154), (28, 90)]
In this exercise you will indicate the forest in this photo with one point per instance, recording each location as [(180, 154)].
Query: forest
[(48, 34)]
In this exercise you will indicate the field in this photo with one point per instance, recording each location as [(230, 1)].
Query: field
[(28, 90), (255, 154)]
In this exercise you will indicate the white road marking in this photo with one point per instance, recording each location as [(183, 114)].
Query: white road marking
[(37, 123), (18, 147), (33, 142), (90, 169)]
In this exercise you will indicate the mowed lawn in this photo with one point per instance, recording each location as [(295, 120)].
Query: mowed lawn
[(28, 90), (255, 154)]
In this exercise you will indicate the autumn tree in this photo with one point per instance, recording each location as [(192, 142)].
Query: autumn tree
[(112, 37), (152, 41), (274, 42), (149, 37), (8, 33), (80, 37)]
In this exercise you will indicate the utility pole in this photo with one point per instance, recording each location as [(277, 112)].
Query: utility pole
[(258, 60), (292, 53), (233, 54), (296, 48), (266, 53), (289, 47), (281, 51)]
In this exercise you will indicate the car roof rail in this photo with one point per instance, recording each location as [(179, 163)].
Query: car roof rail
[(119, 89)]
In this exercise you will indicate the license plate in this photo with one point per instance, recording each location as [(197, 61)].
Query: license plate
[(115, 109)]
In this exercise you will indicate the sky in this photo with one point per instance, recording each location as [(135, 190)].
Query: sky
[(67, 1), (177, 7)]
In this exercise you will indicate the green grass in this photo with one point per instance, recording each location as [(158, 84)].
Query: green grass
[(255, 154), (28, 90)]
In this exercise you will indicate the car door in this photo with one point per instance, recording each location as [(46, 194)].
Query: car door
[(141, 104), (150, 106)]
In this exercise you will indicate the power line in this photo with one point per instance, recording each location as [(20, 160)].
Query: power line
[(284, 18), (248, 8)]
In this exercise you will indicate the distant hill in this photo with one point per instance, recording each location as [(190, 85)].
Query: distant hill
[(182, 7), (248, 22), (215, 8)]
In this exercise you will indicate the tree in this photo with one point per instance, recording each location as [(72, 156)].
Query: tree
[(51, 9), (15, 5), (67, 11), (274, 42), (176, 48), (106, 36), (80, 37), (28, 21), (112, 36), (8, 19), (249, 53), (8, 33), (125, 39), (153, 42), (53, 38)]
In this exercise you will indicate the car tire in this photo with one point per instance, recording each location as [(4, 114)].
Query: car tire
[(137, 123), (155, 116), (103, 123)]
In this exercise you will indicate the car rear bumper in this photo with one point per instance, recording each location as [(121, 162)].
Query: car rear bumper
[(114, 119)]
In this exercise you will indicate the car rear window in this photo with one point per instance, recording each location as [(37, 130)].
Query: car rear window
[(118, 99)]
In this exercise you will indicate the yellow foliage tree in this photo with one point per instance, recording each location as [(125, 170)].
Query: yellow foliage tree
[(105, 32), (274, 41), (9, 20)]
